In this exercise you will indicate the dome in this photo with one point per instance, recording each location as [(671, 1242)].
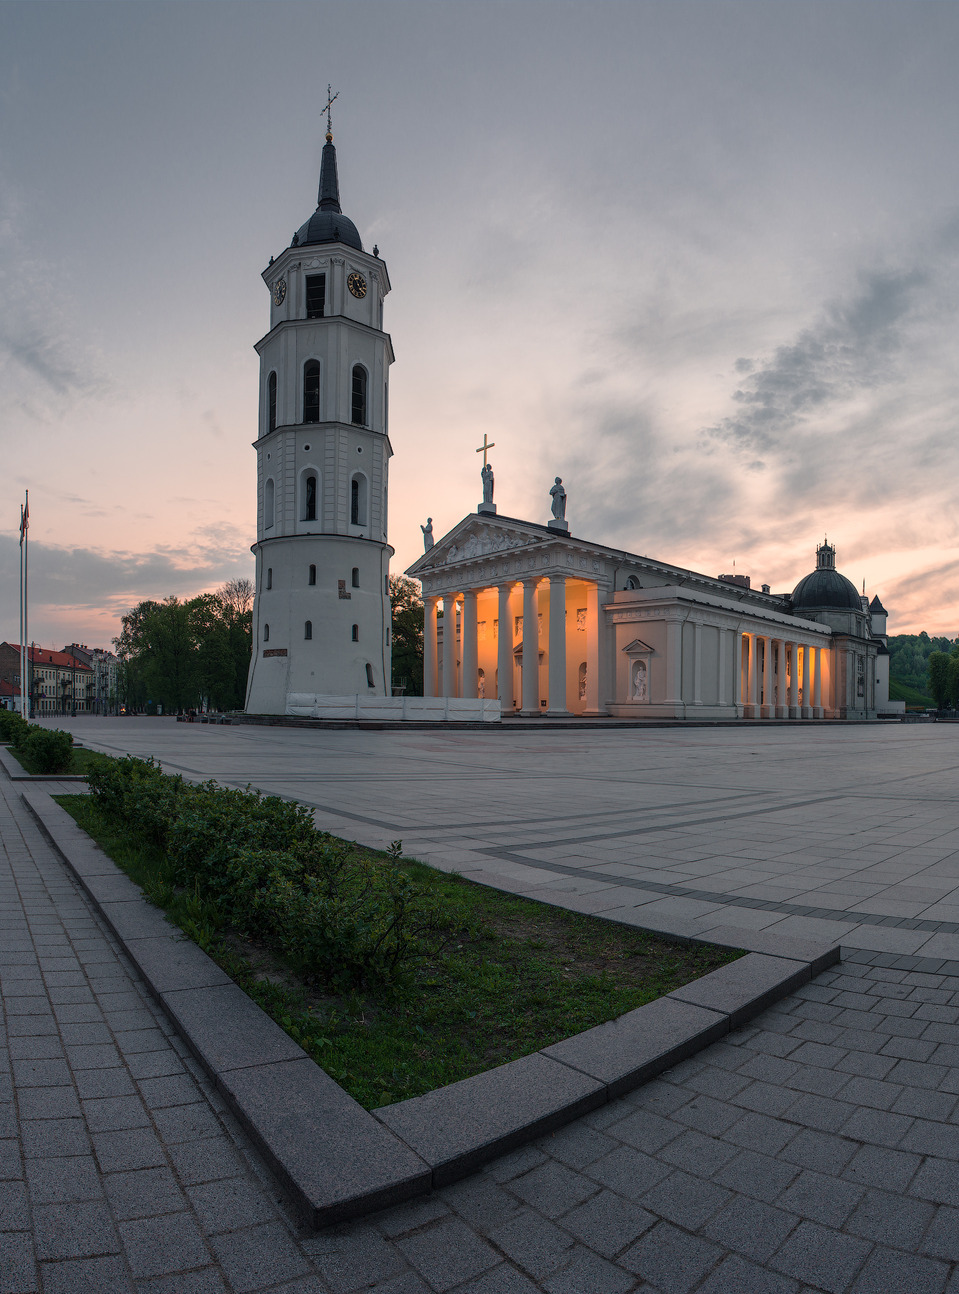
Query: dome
[(327, 223), (328, 227), (824, 588)]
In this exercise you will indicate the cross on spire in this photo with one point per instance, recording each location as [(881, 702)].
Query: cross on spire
[(328, 109), (485, 447)]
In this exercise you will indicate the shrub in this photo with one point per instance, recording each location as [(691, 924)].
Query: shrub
[(13, 727), (49, 749), (337, 916)]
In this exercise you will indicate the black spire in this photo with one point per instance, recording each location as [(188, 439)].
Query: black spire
[(328, 197)]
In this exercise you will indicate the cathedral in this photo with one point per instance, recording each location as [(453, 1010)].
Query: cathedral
[(521, 618)]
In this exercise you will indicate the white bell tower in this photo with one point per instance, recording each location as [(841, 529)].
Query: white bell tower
[(321, 616)]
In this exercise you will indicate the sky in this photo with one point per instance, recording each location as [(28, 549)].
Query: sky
[(699, 258)]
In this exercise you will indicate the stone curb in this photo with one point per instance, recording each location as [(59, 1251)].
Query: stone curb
[(340, 1161), (17, 773)]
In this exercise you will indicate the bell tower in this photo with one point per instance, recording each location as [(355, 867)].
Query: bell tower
[(321, 615)]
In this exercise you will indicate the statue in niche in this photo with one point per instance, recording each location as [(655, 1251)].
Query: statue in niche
[(582, 681), (558, 506), (427, 534), (487, 477), (481, 684), (639, 681)]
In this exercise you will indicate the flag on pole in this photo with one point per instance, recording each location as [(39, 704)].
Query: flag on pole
[(24, 520)]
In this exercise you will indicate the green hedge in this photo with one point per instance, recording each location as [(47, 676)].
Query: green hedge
[(338, 916), (49, 750)]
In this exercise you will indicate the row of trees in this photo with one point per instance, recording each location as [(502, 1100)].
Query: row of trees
[(182, 655), (944, 678), (909, 657)]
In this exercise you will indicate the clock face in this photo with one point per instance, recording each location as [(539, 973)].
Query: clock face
[(357, 284), (279, 292)]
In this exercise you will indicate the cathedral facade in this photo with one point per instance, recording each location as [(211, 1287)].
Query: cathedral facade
[(551, 624)]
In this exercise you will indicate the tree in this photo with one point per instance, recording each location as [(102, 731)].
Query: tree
[(184, 654), (939, 678), (407, 634)]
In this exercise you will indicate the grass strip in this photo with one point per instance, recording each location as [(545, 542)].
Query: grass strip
[(80, 762), (527, 975)]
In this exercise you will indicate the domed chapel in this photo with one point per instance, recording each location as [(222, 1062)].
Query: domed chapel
[(535, 618)]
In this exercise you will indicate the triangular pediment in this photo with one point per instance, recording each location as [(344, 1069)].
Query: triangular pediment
[(637, 648), (478, 536)]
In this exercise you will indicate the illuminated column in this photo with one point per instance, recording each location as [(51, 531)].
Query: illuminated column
[(697, 663), (739, 689), (806, 706), (753, 676), (449, 644), (724, 665), (817, 698), (793, 682), (429, 646), (530, 648), (782, 707), (557, 645), (504, 650), (468, 653), (768, 707), (593, 630)]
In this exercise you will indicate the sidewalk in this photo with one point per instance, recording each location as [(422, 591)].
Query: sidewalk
[(815, 1149)]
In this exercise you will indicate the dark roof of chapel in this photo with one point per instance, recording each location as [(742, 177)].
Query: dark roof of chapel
[(327, 223), (876, 606)]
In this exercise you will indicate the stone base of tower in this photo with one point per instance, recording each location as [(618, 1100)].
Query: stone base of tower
[(394, 709)]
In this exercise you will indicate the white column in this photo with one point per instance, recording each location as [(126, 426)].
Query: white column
[(449, 644), (793, 683), (768, 707), (593, 657), (504, 650), (557, 645), (739, 690), (530, 648), (674, 662), (817, 698), (429, 646), (806, 699), (468, 644), (782, 707), (697, 663), (724, 665), (753, 677)]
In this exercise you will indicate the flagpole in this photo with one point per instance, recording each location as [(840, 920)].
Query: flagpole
[(24, 603), (22, 636)]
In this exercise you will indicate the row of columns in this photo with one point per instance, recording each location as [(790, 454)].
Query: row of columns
[(529, 676), (760, 684)]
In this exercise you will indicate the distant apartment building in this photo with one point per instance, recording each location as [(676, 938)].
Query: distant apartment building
[(77, 680)]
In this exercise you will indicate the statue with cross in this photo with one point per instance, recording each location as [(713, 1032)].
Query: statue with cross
[(486, 475)]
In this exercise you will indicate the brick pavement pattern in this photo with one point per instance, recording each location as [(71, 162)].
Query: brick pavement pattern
[(815, 1149)]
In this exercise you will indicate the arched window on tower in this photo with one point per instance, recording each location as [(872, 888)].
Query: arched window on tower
[(369, 675), (358, 500), (356, 633), (308, 629), (356, 577), (269, 503), (271, 401), (312, 579), (266, 633), (309, 497), (359, 395), (311, 391)]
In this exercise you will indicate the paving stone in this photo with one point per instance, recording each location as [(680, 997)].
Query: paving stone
[(670, 1259), (481, 1201), (607, 1223), (48, 1103), (879, 1127), (942, 1238), (74, 1230), (577, 1145), (552, 1189), (646, 1131), (819, 1151), (700, 1154), (821, 1257), (144, 1192), (14, 1207), (759, 1176), (750, 1227), (761, 1133), (877, 1166), (87, 1276), (688, 1201), (129, 1148), (628, 1172), (504, 1279), (937, 1180), (735, 1275), (821, 1199), (587, 1271), (765, 1098), (537, 1246), (43, 1138), (354, 1257), (258, 1256), (112, 1113), (891, 1219), (887, 1269), (205, 1281), (447, 1253), (819, 1112)]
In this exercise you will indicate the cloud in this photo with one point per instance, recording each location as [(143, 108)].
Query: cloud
[(852, 348)]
